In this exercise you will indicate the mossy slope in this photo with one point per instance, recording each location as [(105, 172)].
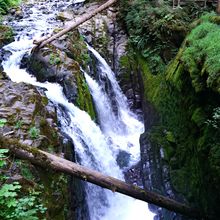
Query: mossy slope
[(187, 99)]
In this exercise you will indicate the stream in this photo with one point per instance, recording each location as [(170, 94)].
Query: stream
[(97, 144)]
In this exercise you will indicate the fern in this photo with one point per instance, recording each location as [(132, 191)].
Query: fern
[(202, 52), (6, 4)]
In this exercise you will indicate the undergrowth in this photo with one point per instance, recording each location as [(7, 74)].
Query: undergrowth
[(186, 97), (202, 56), (6, 4), (15, 203), (157, 31)]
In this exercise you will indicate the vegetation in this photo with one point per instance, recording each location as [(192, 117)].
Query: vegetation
[(183, 88), (204, 68), (157, 32), (34, 132), (15, 203), (3, 121), (6, 4), (6, 35), (186, 97), (54, 59), (181, 80)]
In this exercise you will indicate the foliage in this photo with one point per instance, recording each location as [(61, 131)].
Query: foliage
[(204, 68), (6, 4), (215, 120), (157, 31), (54, 59), (34, 132), (19, 124), (13, 207), (6, 35), (3, 157), (25, 169), (13, 204), (3, 121), (187, 101)]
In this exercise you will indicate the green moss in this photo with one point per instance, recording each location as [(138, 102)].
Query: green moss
[(186, 99), (54, 186), (44, 100), (54, 59), (6, 35), (26, 169), (77, 49), (6, 4), (204, 67), (84, 99)]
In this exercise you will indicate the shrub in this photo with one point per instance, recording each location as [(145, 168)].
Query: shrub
[(202, 57), (14, 205), (6, 4)]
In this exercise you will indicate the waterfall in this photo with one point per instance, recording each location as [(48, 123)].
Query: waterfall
[(97, 145)]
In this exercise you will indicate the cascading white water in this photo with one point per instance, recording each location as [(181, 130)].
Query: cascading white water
[(96, 146)]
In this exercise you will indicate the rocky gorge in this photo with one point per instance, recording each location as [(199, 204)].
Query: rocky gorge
[(175, 141)]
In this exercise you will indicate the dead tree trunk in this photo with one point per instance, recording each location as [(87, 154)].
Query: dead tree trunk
[(50, 161), (75, 24), (218, 7)]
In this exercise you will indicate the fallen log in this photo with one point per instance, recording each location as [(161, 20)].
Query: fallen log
[(50, 161), (75, 24)]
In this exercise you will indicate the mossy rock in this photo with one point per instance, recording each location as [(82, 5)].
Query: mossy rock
[(63, 66), (24, 108), (6, 35), (186, 96), (84, 100)]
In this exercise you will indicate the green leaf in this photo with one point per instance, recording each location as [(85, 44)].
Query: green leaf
[(3, 121), (3, 151)]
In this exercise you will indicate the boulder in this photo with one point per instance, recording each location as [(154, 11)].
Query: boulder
[(6, 35), (25, 109), (61, 62)]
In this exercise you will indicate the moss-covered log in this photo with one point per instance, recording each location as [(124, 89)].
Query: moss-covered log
[(49, 161)]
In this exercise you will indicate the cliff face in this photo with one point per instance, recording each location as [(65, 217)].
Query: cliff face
[(30, 118), (180, 102), (186, 98)]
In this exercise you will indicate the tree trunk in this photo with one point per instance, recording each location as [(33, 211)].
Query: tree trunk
[(75, 24), (47, 160), (218, 7)]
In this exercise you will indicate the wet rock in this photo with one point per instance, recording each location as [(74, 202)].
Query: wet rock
[(19, 14), (46, 12), (25, 108), (61, 62), (6, 35), (49, 66), (21, 105), (155, 172), (104, 33), (4, 54), (63, 16), (133, 175), (123, 159), (12, 11), (24, 61)]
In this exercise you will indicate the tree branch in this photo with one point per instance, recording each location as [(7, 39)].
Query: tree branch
[(75, 24)]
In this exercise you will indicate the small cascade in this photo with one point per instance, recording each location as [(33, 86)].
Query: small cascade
[(97, 145)]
